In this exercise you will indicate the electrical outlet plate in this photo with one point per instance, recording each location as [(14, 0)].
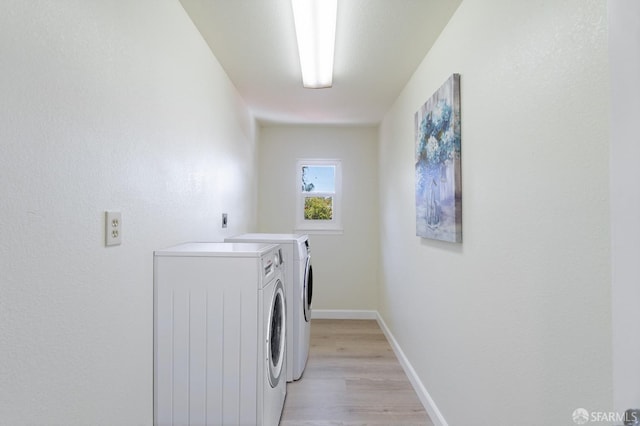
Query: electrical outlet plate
[(113, 228)]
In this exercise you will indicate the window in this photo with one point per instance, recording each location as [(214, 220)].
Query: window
[(319, 195)]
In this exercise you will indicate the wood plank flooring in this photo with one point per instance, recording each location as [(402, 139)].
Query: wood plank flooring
[(352, 378)]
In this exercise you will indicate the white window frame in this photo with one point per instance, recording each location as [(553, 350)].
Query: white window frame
[(320, 226)]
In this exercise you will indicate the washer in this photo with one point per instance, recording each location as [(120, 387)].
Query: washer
[(298, 276), (219, 334)]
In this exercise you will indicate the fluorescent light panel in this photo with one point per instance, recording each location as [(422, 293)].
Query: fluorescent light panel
[(315, 22)]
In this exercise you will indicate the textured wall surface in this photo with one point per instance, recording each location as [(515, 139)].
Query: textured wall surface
[(345, 266), (105, 105), (513, 326)]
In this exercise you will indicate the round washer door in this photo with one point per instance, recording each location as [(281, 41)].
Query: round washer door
[(276, 335), (307, 290)]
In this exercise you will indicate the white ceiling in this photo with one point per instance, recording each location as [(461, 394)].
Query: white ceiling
[(379, 44)]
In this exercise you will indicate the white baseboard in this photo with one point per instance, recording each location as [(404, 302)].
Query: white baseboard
[(343, 314), (429, 405)]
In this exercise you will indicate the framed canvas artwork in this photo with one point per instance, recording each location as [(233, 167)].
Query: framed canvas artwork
[(438, 177)]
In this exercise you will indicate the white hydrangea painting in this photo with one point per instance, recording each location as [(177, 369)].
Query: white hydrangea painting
[(438, 178)]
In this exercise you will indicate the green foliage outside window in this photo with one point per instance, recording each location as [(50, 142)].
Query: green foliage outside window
[(318, 208)]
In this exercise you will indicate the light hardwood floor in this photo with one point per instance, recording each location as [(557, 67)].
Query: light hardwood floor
[(352, 378)]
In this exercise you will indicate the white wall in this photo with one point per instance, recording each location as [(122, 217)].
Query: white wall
[(105, 105), (624, 46), (514, 324), (345, 273)]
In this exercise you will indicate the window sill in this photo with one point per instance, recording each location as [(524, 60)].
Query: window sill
[(319, 231)]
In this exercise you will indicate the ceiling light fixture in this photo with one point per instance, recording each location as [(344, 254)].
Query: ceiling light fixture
[(315, 22)]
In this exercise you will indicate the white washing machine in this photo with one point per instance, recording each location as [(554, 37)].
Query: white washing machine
[(298, 275), (219, 334)]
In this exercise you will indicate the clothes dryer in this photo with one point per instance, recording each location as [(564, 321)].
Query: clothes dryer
[(219, 334), (298, 276)]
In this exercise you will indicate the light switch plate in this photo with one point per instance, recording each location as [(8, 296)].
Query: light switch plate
[(113, 228)]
